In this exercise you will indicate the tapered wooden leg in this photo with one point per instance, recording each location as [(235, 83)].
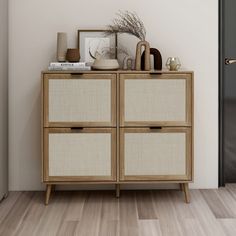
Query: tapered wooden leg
[(48, 193), (181, 187), (186, 192), (117, 190)]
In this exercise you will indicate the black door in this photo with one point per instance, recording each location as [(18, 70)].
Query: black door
[(228, 91)]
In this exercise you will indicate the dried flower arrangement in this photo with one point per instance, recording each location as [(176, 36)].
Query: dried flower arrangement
[(129, 23)]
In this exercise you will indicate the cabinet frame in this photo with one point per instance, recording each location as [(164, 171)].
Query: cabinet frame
[(71, 76), (140, 178), (117, 127), (47, 178), (136, 76)]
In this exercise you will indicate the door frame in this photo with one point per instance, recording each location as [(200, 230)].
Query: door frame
[(221, 93)]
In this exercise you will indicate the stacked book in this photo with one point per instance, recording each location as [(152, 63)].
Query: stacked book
[(68, 66)]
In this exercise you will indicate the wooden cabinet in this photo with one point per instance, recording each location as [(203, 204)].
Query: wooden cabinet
[(117, 127)]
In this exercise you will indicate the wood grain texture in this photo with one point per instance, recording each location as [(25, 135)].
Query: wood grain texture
[(109, 214), (167, 215), (229, 226), (32, 215), (145, 206), (11, 222), (74, 210), (149, 228), (205, 216), (91, 216), (100, 213), (217, 206), (52, 216), (8, 204), (128, 215), (67, 228)]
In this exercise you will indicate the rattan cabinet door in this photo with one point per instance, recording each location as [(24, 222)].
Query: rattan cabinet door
[(155, 154), (86, 100), (79, 154), (155, 100)]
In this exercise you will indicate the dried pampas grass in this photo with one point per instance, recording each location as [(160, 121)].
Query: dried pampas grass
[(128, 22)]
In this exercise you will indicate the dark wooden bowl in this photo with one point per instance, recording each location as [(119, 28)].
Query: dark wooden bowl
[(73, 55)]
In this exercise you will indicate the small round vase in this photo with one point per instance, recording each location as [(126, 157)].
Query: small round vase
[(173, 63)]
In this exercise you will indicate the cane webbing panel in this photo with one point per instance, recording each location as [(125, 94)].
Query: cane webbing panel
[(155, 153), (155, 100), (80, 154), (81, 100)]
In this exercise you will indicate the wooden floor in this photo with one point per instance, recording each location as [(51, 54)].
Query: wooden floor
[(149, 213)]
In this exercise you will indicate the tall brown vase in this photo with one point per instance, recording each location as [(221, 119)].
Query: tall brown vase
[(147, 65)]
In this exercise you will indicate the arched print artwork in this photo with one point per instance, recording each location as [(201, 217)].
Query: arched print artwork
[(95, 45)]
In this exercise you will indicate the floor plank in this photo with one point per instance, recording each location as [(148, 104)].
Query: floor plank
[(109, 214), (91, 215), (186, 218), (128, 214), (75, 206), (135, 213), (228, 200), (149, 228), (192, 227), (14, 217), (219, 209), (232, 189), (53, 214), (229, 226), (67, 228), (145, 206), (166, 212), (7, 204), (32, 215), (204, 215)]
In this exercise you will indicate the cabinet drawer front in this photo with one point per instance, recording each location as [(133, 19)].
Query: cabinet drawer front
[(156, 154), (163, 100), (79, 155), (80, 100)]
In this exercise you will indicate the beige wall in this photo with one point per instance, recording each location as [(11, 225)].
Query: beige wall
[(184, 28), (3, 95)]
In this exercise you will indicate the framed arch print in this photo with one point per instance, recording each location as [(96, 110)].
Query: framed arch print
[(93, 42)]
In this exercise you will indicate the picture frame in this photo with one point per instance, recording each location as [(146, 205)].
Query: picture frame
[(91, 41)]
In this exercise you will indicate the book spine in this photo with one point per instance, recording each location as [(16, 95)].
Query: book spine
[(69, 68), (58, 64)]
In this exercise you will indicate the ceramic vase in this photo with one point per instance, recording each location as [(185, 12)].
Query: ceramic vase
[(173, 63), (61, 46), (73, 55)]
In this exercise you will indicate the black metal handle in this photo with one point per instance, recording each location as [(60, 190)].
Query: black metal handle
[(155, 127), (76, 129), (155, 73)]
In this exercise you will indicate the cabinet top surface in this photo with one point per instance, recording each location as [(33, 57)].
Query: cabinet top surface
[(117, 72)]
